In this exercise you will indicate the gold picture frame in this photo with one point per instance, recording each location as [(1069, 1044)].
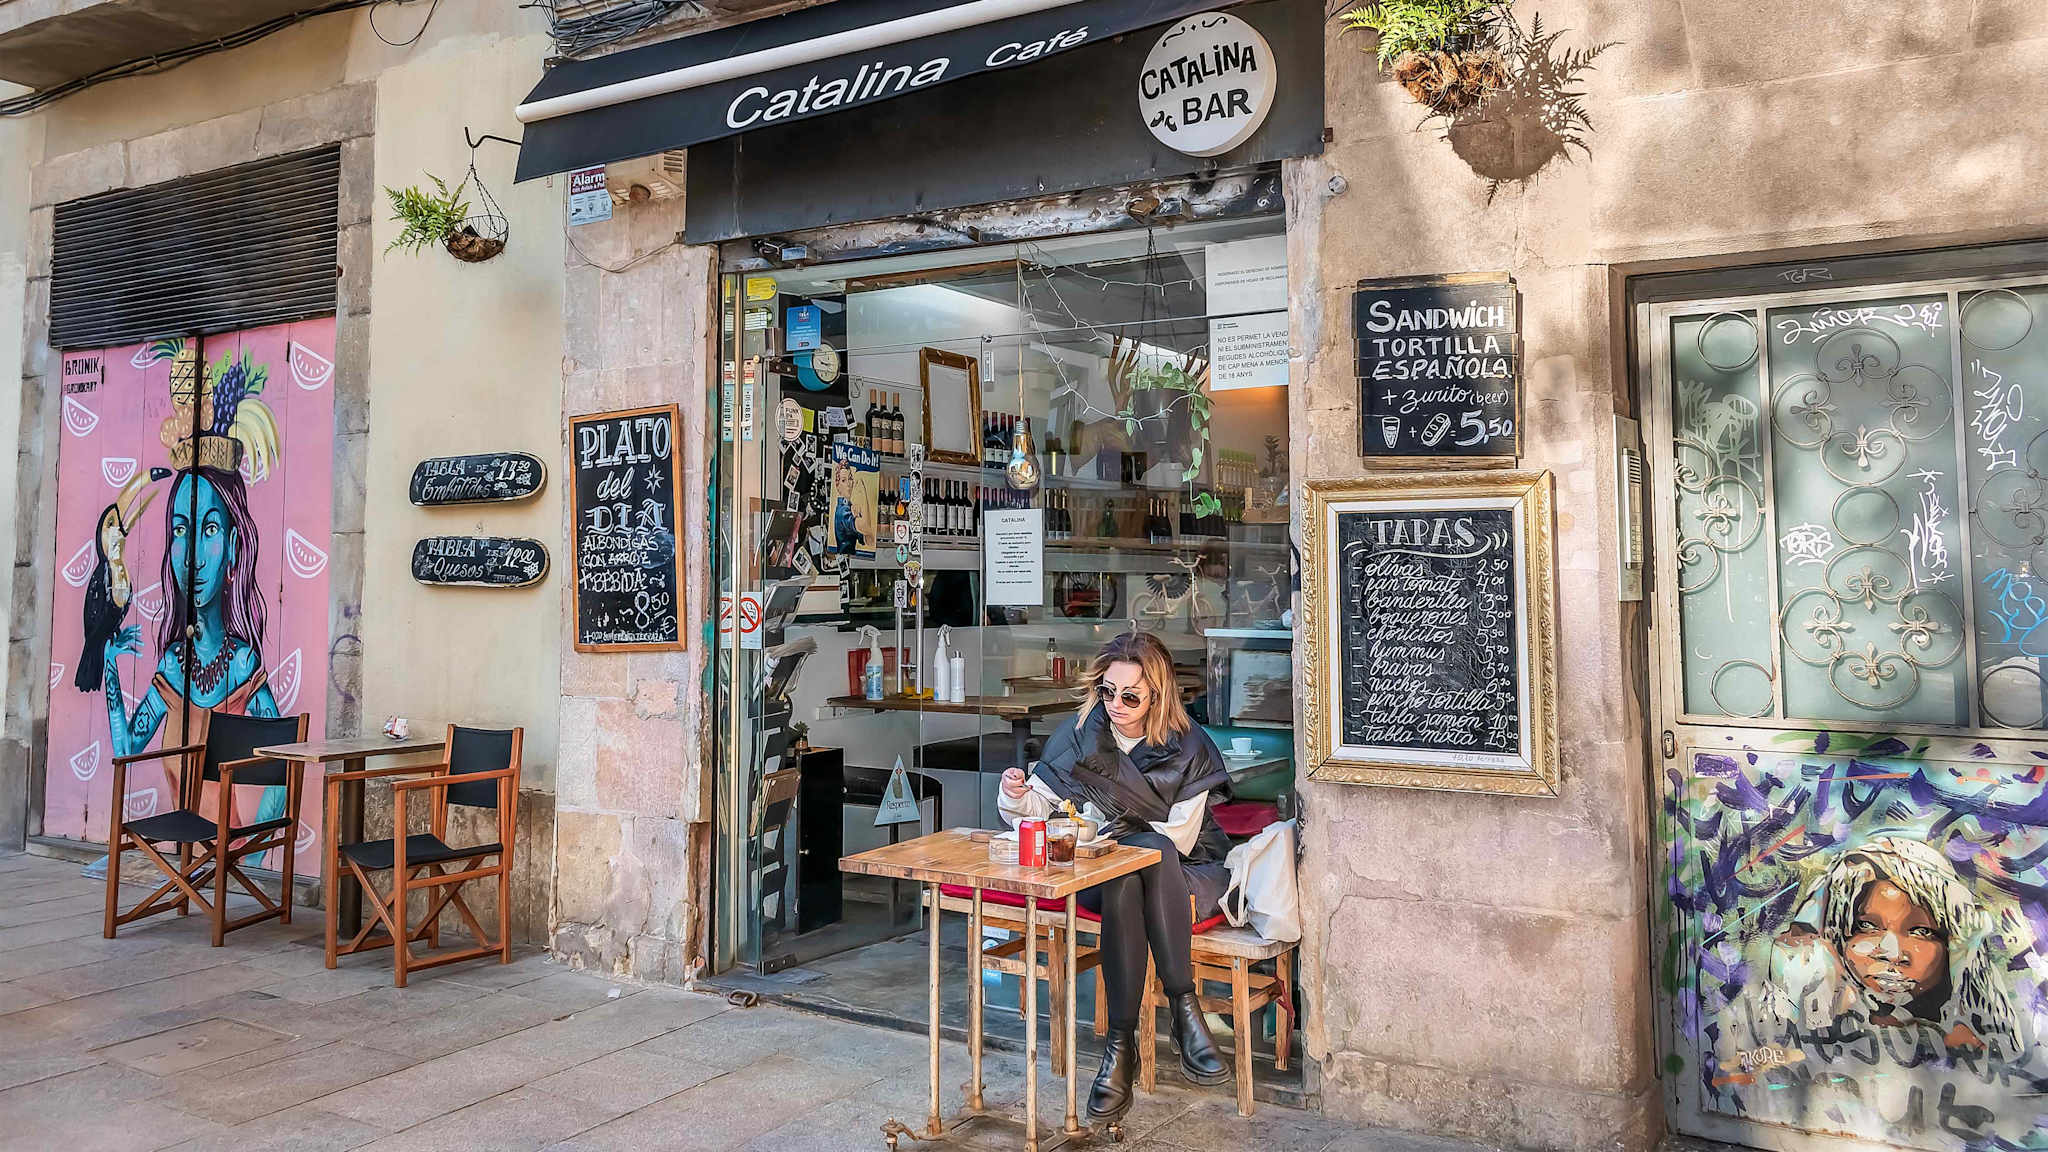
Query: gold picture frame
[(944, 451), (1533, 769)]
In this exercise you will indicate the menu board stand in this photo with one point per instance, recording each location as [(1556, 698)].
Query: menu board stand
[(625, 481), (1428, 637)]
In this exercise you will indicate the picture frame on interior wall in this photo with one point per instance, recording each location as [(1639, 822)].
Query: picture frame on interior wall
[(1428, 632), (952, 406)]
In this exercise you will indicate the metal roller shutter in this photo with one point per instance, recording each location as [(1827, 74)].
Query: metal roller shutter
[(237, 248)]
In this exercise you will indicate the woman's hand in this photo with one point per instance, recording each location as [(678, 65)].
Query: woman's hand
[(1013, 783)]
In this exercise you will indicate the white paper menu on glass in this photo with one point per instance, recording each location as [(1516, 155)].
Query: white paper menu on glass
[(1013, 556)]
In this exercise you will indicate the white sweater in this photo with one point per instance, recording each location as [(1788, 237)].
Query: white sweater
[(1183, 823)]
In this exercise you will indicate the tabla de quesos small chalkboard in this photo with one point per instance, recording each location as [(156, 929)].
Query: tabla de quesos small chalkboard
[(479, 561), (483, 478), (1429, 645), (626, 480), (1439, 370)]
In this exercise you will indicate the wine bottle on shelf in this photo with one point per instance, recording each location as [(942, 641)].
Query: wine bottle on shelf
[(896, 440)]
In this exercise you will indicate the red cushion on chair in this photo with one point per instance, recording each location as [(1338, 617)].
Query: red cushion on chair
[(1012, 900), (1241, 818)]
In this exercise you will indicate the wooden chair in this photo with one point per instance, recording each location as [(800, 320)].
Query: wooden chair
[(207, 856), (1225, 955), (481, 771)]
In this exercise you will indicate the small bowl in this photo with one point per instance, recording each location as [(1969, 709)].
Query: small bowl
[(1002, 851)]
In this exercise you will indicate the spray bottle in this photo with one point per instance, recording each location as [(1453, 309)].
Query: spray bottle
[(942, 690), (871, 677)]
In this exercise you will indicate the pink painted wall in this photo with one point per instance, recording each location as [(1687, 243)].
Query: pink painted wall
[(112, 432)]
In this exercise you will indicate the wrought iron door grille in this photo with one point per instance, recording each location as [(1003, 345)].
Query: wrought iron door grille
[(1859, 506)]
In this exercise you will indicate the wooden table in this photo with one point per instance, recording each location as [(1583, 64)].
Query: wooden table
[(952, 857), (350, 752), (1019, 709)]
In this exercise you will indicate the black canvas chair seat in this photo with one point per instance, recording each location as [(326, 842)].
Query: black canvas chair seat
[(187, 827), (425, 848)]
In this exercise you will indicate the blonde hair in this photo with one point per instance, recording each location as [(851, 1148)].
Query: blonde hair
[(1164, 715)]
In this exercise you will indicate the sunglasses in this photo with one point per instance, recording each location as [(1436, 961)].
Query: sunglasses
[(1108, 693)]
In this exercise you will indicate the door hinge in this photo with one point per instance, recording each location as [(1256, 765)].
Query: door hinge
[(1670, 745)]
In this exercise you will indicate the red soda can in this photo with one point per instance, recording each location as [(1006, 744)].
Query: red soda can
[(1031, 843)]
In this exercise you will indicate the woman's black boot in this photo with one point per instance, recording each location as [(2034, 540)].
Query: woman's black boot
[(1111, 1095), (1199, 1060)]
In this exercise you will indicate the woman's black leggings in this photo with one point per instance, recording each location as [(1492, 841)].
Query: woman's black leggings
[(1151, 905)]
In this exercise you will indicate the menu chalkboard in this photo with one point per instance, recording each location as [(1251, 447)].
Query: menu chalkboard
[(479, 561), (625, 484), (1439, 368), (484, 478), (1428, 636), (1428, 642)]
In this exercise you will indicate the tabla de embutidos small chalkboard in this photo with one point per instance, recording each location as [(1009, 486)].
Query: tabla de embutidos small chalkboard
[(1432, 638), (479, 561), (625, 482), (1439, 370), (481, 478)]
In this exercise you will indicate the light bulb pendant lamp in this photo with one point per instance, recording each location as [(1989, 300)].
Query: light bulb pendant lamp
[(1022, 471)]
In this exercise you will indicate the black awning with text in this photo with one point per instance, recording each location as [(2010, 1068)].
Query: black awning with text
[(725, 107)]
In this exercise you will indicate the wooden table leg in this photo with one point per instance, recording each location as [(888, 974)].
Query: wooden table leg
[(1029, 989), (974, 1004), (933, 1127), (1073, 926), (349, 893)]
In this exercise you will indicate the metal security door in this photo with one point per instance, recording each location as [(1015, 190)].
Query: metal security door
[(1851, 689)]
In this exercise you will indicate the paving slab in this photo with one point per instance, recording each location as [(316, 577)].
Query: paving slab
[(274, 1085), (301, 1128), (628, 1079), (192, 1046), (521, 1120)]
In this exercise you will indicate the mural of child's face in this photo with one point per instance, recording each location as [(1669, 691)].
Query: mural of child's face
[(204, 568), (1897, 953)]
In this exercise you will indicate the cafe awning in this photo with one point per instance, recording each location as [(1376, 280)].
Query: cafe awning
[(804, 64)]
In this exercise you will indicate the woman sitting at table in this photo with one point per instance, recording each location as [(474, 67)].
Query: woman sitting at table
[(1146, 773)]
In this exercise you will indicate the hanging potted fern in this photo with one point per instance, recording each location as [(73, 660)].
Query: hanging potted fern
[(443, 217), (1441, 51)]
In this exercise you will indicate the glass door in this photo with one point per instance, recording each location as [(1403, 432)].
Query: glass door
[(1852, 529)]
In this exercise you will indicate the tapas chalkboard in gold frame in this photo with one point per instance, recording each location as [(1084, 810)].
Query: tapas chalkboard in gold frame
[(1521, 503)]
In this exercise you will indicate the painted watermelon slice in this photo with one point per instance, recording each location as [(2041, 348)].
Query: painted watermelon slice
[(85, 763), (150, 602), (117, 470), (284, 683), (309, 368), (140, 804), (78, 419), (305, 559), (78, 569), (56, 674)]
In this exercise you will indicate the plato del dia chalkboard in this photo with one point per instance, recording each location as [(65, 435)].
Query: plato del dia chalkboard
[(1439, 368), (624, 485), (479, 561), (481, 478)]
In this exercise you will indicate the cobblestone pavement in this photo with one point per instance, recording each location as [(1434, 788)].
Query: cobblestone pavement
[(156, 1040)]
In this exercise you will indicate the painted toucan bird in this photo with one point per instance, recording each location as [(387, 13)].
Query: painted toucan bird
[(109, 591)]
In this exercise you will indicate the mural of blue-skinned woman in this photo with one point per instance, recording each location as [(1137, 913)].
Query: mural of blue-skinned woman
[(210, 638)]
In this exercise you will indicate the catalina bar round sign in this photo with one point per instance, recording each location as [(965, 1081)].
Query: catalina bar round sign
[(1207, 85)]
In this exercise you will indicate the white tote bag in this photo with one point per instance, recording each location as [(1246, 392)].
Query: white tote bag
[(1262, 895)]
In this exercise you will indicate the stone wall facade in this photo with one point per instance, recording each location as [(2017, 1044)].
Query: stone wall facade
[(633, 818), (1480, 965)]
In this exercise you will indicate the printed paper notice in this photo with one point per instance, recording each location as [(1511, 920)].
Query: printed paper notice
[(1246, 275), (1013, 556), (1248, 351), (589, 201)]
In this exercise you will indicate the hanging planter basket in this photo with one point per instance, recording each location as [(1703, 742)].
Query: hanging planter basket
[(1453, 79), (472, 247)]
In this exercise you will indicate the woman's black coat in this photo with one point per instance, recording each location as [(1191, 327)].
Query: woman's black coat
[(1082, 763)]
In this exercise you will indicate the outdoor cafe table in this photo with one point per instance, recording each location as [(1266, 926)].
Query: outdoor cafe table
[(954, 857), (350, 752)]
